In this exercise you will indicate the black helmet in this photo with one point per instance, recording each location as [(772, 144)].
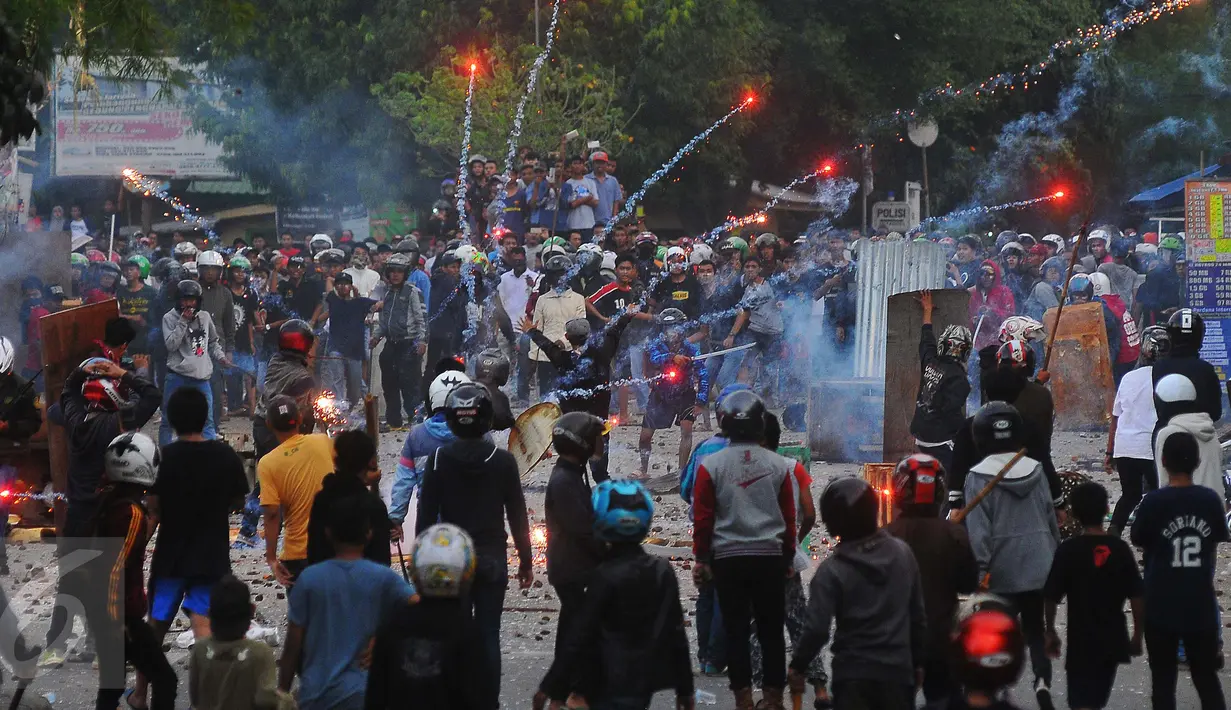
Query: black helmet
[(669, 317), (188, 289), (161, 268), (849, 508), (997, 428), (468, 410), (492, 366), (988, 648), (741, 416), (1187, 330), (406, 246), (296, 336), (576, 433)]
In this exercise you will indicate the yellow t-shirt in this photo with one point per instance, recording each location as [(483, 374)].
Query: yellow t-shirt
[(290, 478)]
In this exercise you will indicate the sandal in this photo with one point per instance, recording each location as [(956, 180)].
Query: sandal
[(128, 700)]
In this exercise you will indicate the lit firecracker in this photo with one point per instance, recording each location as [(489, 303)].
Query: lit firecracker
[(538, 547), (330, 412)]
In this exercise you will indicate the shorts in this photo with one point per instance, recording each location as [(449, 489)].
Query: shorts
[(1090, 687), (663, 413), (245, 362), (170, 595)]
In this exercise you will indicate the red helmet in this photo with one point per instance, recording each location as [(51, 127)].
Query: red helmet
[(95, 256), (102, 394), (919, 479), (988, 649), (296, 336), (1015, 354)]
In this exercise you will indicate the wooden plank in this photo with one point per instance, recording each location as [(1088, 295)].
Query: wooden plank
[(1082, 385), (902, 366), (68, 338)]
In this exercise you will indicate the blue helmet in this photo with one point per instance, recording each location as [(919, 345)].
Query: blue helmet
[(622, 511)]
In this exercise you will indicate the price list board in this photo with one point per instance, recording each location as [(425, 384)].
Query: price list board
[(1216, 348), (1207, 209)]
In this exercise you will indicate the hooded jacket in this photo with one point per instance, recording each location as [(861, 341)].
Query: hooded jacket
[(1041, 299), (999, 301), (572, 550), (873, 590), (947, 568), (89, 433), (192, 346), (940, 407), (423, 439), (335, 487), (1199, 424), (1203, 376), (448, 297), (475, 486), (1013, 532), (586, 368), (629, 640)]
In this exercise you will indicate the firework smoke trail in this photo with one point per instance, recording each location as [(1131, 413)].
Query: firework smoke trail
[(662, 171), (463, 159), (962, 214), (138, 183), (760, 215), (583, 392), (530, 85)]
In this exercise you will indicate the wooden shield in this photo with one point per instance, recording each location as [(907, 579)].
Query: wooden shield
[(1082, 385), (530, 436), (950, 307)]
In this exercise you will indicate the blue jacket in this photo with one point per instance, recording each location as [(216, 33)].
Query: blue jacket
[(660, 355), (422, 440), (420, 279), (688, 475)]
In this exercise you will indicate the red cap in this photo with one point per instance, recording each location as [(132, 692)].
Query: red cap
[(598, 155)]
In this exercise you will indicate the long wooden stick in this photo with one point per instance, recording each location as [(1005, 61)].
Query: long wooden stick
[(987, 490), (1064, 296)]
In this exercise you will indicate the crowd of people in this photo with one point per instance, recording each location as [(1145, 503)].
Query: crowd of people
[(539, 295)]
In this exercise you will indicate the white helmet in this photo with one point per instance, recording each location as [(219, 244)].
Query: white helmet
[(609, 261), (466, 253), (1020, 328), (1102, 284), (590, 247), (551, 250), (321, 239), (185, 249), (1144, 248), (444, 383), (209, 258), (132, 457), (1098, 234), (1176, 388), (1055, 239), (443, 562), (676, 259), (191, 268), (700, 252), (7, 355)]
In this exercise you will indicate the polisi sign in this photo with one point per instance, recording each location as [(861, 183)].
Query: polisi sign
[(893, 216)]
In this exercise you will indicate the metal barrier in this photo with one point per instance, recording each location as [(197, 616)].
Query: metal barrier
[(885, 269)]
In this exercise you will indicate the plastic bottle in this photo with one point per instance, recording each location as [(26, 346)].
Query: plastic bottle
[(704, 698)]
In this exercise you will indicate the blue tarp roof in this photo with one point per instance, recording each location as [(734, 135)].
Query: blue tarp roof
[(1175, 187)]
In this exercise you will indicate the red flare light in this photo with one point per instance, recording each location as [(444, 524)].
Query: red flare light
[(1058, 194), (750, 99), (473, 67), (671, 374), (826, 168), (6, 493)]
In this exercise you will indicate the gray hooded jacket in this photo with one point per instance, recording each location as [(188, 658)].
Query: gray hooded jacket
[(1013, 531), (872, 588)]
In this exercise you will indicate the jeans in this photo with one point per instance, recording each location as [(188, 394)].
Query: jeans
[(636, 370), (1029, 607), (731, 363), (217, 394), (711, 636), (859, 694), (401, 370), (237, 379), (174, 382), (72, 584), (1137, 477), (796, 620), (263, 441), (344, 377), (600, 464), (942, 453), (1202, 652), (487, 597), (548, 375), (753, 587), (524, 367)]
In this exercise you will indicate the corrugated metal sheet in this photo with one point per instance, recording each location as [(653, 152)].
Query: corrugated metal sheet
[(887, 268)]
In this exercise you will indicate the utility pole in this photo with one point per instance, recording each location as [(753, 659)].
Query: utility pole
[(536, 22)]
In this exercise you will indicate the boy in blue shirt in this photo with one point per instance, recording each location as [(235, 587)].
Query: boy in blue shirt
[(335, 609)]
